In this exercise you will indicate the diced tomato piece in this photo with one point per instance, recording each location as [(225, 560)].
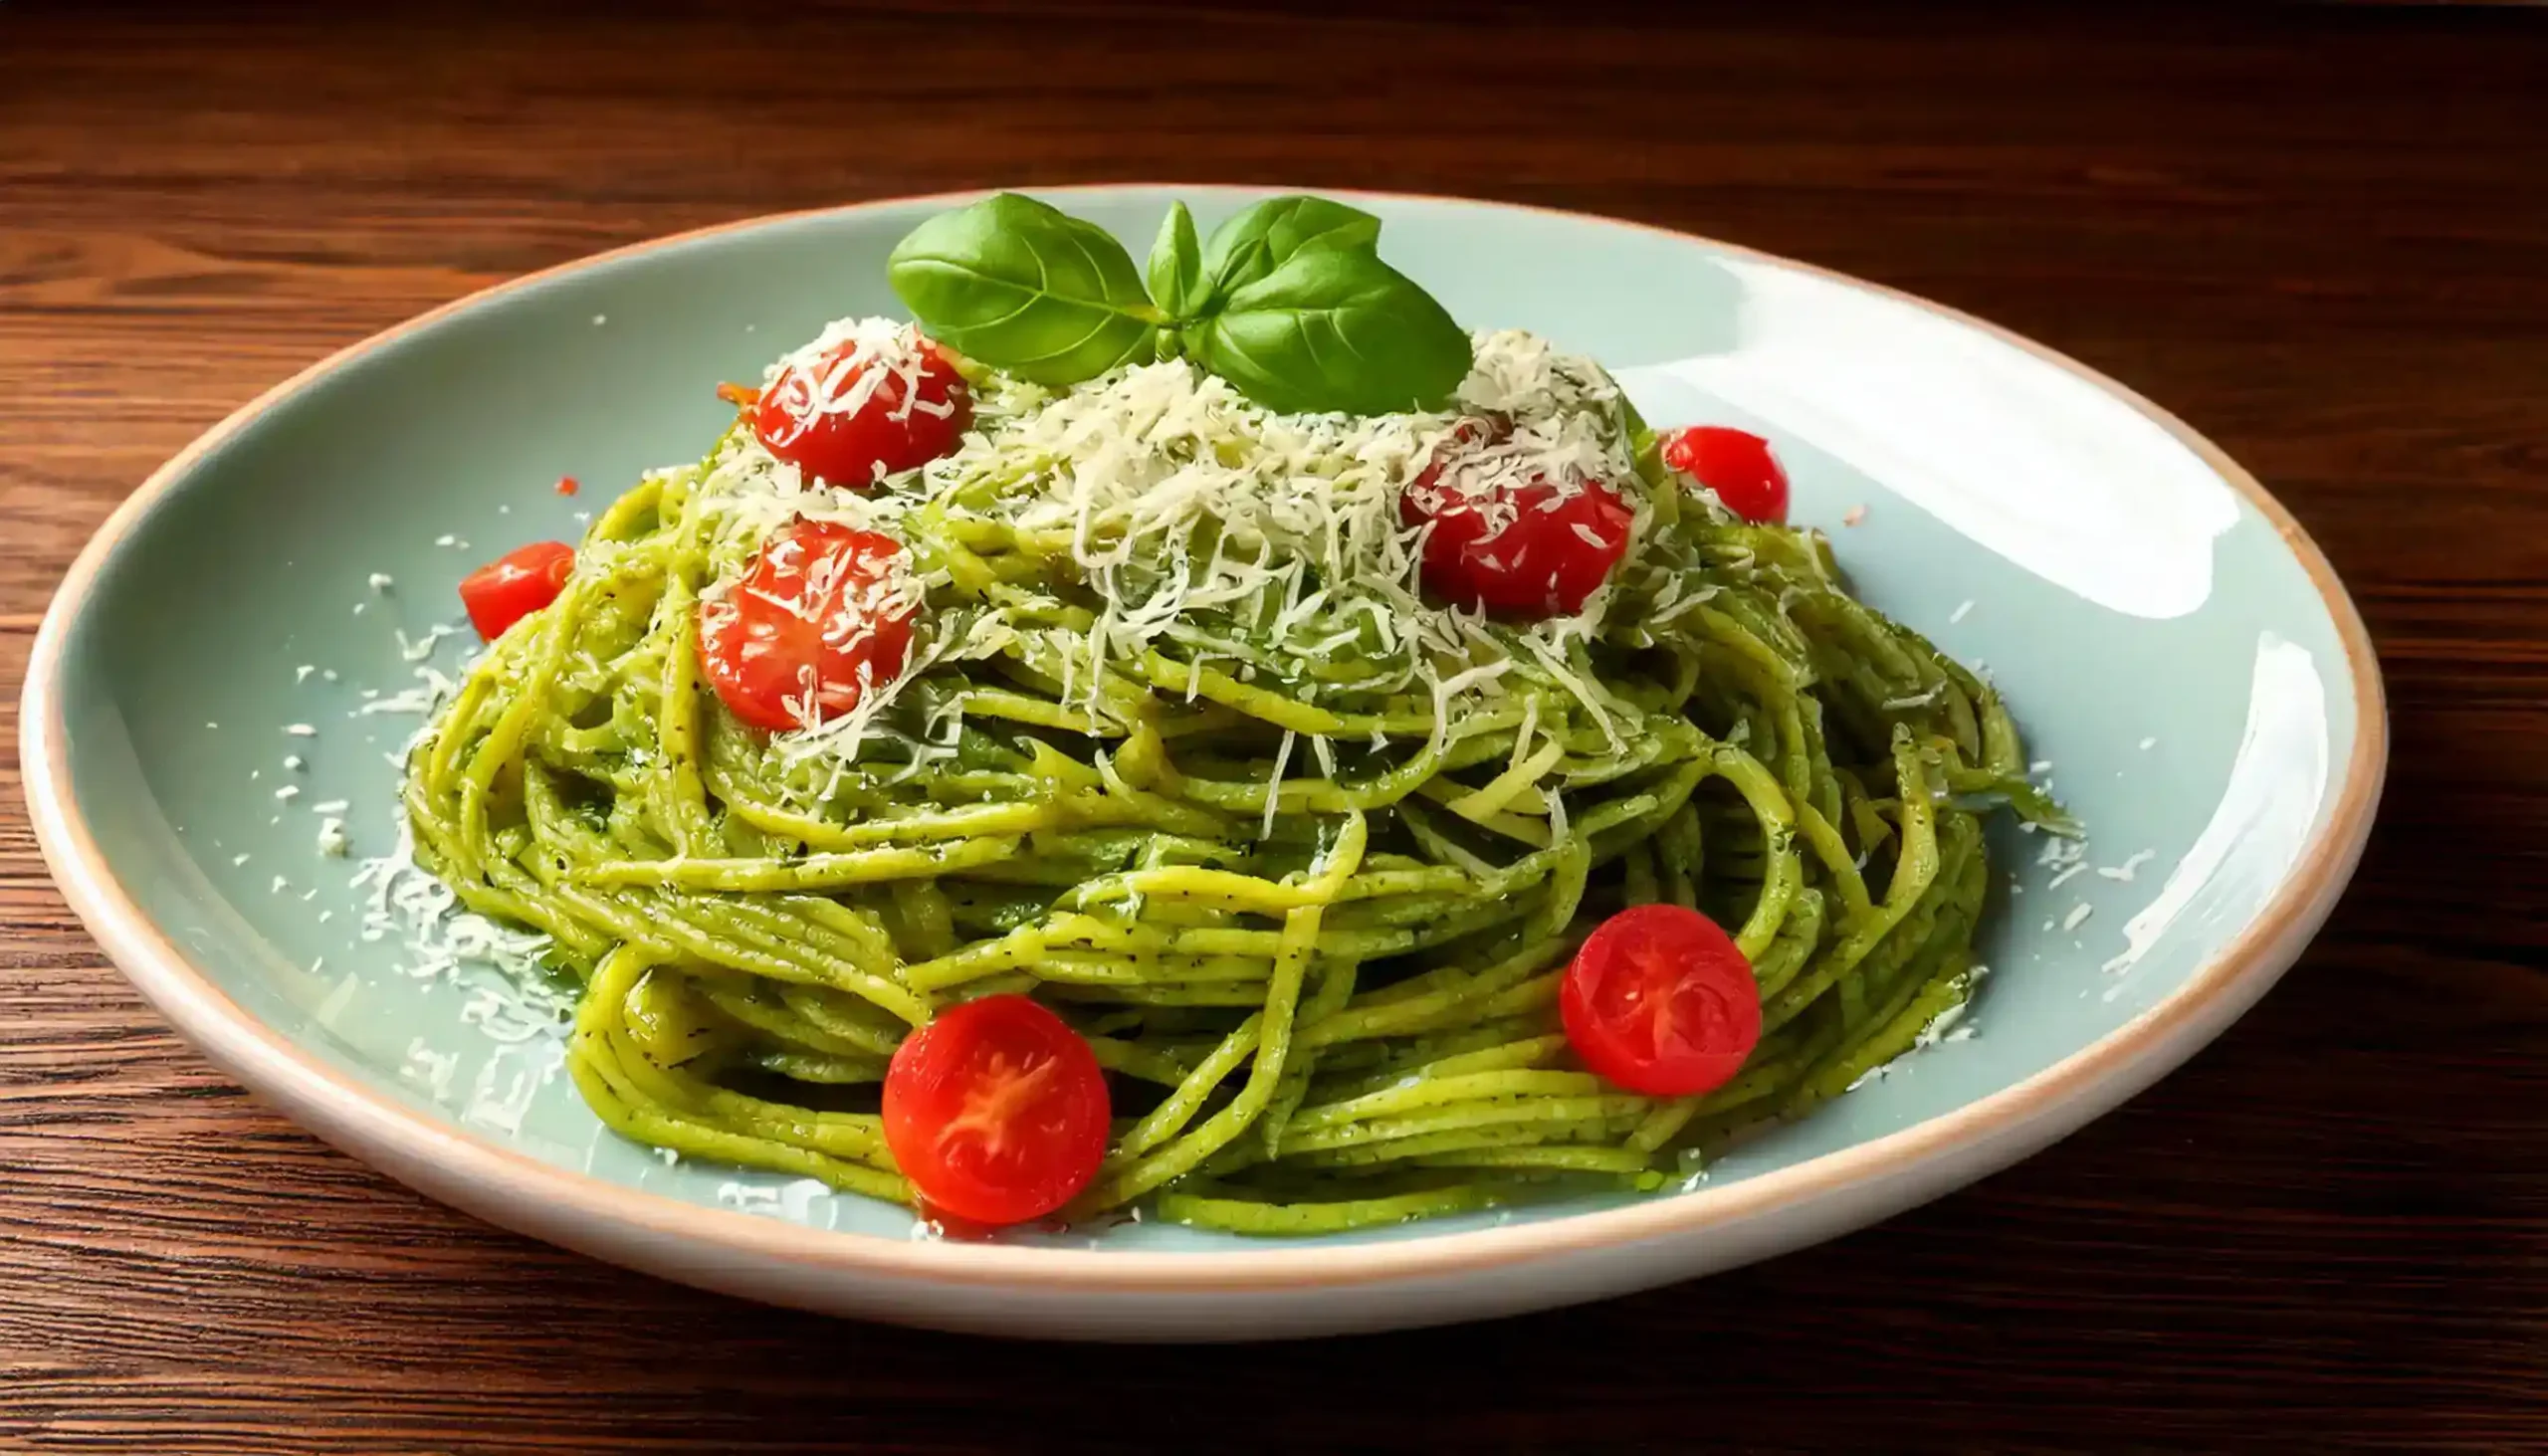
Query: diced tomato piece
[(514, 586)]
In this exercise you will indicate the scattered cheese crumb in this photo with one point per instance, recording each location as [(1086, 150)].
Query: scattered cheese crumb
[(287, 792), (279, 886), (2123, 872), (746, 1198), (1960, 613), (327, 675), (330, 807), (237, 859), (212, 724), (294, 763), (331, 839), (300, 730), (446, 539), (1854, 515), (2149, 744), (382, 581), (601, 319), (2078, 913), (423, 647), (302, 673)]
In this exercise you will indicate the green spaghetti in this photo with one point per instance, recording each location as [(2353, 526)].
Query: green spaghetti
[(1182, 748)]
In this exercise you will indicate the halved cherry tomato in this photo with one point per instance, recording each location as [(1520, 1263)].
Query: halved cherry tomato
[(822, 614), (997, 1110), (1526, 550), (514, 586), (1661, 1002), (1735, 463), (856, 414)]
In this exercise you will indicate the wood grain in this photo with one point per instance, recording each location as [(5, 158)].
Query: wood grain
[(2319, 236)]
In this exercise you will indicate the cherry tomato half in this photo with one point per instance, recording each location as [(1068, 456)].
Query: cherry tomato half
[(823, 613), (1525, 549), (514, 586), (997, 1110), (1735, 463), (1659, 1001), (857, 412)]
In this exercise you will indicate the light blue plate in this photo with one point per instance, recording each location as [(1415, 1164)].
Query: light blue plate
[(2172, 644)]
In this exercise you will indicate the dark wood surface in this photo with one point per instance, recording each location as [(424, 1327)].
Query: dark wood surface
[(2321, 236)]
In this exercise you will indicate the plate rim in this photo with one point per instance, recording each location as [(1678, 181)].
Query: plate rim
[(394, 1137)]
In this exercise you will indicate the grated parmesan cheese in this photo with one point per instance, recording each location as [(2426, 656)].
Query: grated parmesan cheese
[(1179, 500)]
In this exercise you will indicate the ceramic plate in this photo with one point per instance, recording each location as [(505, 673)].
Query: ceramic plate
[(226, 662)]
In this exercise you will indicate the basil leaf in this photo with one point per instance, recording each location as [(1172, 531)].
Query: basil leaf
[(1176, 266), (1023, 285), (1333, 327), (1263, 238)]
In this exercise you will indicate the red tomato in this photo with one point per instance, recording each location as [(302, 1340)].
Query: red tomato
[(514, 586), (1735, 463), (1659, 1001), (857, 413), (823, 613), (997, 1110), (1524, 550), (567, 486)]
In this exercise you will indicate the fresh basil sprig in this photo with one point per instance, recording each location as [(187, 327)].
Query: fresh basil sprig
[(1289, 302)]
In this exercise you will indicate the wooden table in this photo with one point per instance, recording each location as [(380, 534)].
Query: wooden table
[(2320, 235)]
